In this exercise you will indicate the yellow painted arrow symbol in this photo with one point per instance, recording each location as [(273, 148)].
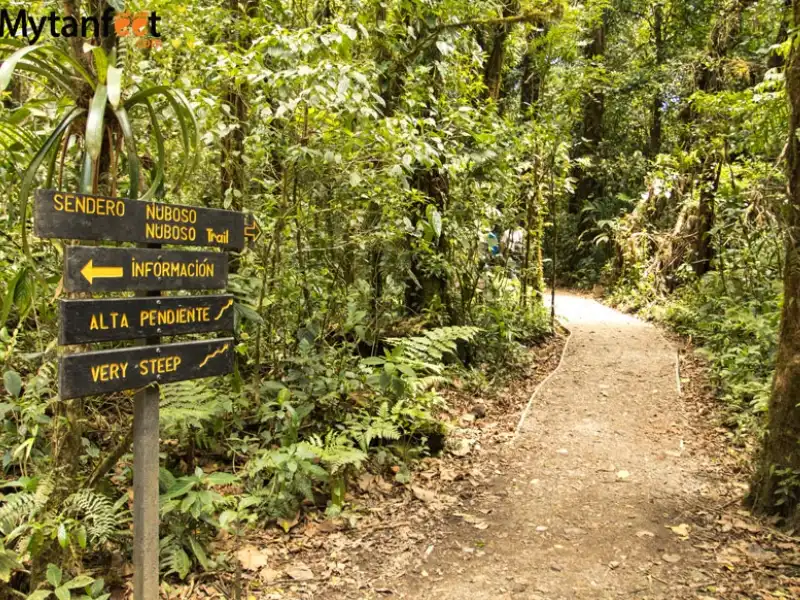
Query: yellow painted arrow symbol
[(252, 231), (90, 272)]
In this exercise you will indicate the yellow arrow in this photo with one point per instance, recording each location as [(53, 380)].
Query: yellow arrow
[(252, 231), (90, 272)]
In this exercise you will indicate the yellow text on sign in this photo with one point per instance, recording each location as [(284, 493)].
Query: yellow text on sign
[(157, 366), (88, 205), (109, 321), (109, 372), (171, 316), (148, 268)]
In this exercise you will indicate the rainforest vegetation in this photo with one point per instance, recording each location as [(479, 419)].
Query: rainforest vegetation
[(419, 169)]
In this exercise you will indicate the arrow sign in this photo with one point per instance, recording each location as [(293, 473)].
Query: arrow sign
[(76, 216), (130, 368), (95, 269), (90, 272), (252, 230)]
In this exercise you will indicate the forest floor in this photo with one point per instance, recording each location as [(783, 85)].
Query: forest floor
[(617, 485)]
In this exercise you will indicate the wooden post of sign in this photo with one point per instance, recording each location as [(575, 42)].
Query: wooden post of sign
[(145, 486)]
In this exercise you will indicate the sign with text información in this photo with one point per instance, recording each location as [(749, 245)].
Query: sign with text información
[(98, 269), (86, 321), (75, 216), (106, 371)]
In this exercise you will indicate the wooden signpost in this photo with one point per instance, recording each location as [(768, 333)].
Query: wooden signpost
[(90, 217), (147, 270)]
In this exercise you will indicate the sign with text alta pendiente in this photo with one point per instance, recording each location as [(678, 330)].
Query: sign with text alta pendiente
[(75, 216), (87, 321)]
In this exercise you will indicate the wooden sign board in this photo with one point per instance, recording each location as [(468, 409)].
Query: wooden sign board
[(97, 269), (106, 371), (88, 217), (87, 321)]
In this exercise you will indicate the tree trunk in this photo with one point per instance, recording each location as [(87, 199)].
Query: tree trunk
[(776, 59), (724, 37), (654, 147), (493, 70), (775, 488), (592, 128), (232, 174)]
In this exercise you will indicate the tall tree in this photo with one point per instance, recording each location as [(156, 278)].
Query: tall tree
[(775, 489), (591, 129)]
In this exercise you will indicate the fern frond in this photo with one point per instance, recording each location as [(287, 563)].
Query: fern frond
[(98, 514)]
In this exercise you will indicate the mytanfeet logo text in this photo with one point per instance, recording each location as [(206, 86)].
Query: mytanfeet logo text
[(143, 25)]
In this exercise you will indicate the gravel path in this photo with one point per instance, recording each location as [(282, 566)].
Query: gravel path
[(588, 493)]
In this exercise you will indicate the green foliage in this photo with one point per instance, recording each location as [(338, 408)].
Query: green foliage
[(80, 587), (189, 509)]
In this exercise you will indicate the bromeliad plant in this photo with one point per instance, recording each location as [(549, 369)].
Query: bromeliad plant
[(80, 89)]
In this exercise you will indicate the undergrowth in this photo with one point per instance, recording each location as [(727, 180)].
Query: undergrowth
[(735, 328)]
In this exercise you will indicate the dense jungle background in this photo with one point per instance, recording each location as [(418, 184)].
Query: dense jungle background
[(420, 168)]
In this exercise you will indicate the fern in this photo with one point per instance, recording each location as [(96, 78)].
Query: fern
[(173, 557), (99, 515), (426, 352), (17, 508), (336, 451), (191, 404)]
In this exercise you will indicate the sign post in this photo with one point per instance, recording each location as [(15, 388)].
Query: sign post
[(148, 317), (145, 487)]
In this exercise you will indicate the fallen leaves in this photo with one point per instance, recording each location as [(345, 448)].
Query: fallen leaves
[(671, 558), (423, 494), (681, 530), (300, 572), (252, 558), (476, 522)]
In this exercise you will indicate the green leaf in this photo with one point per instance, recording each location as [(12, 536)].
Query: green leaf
[(80, 533), (180, 562), (435, 219), (63, 536), (100, 63), (227, 517), (97, 587), (53, 575), (373, 361), (12, 382), (9, 64), (114, 86), (39, 595), (200, 554), (62, 593), (30, 172), (190, 133), (221, 479), (181, 487), (95, 122), (130, 146), (160, 164), (247, 313), (81, 581)]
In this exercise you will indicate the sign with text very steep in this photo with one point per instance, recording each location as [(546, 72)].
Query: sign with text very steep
[(131, 368)]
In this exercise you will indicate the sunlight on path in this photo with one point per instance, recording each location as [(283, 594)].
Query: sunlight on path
[(581, 506)]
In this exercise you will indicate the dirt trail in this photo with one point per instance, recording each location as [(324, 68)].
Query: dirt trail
[(599, 471)]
